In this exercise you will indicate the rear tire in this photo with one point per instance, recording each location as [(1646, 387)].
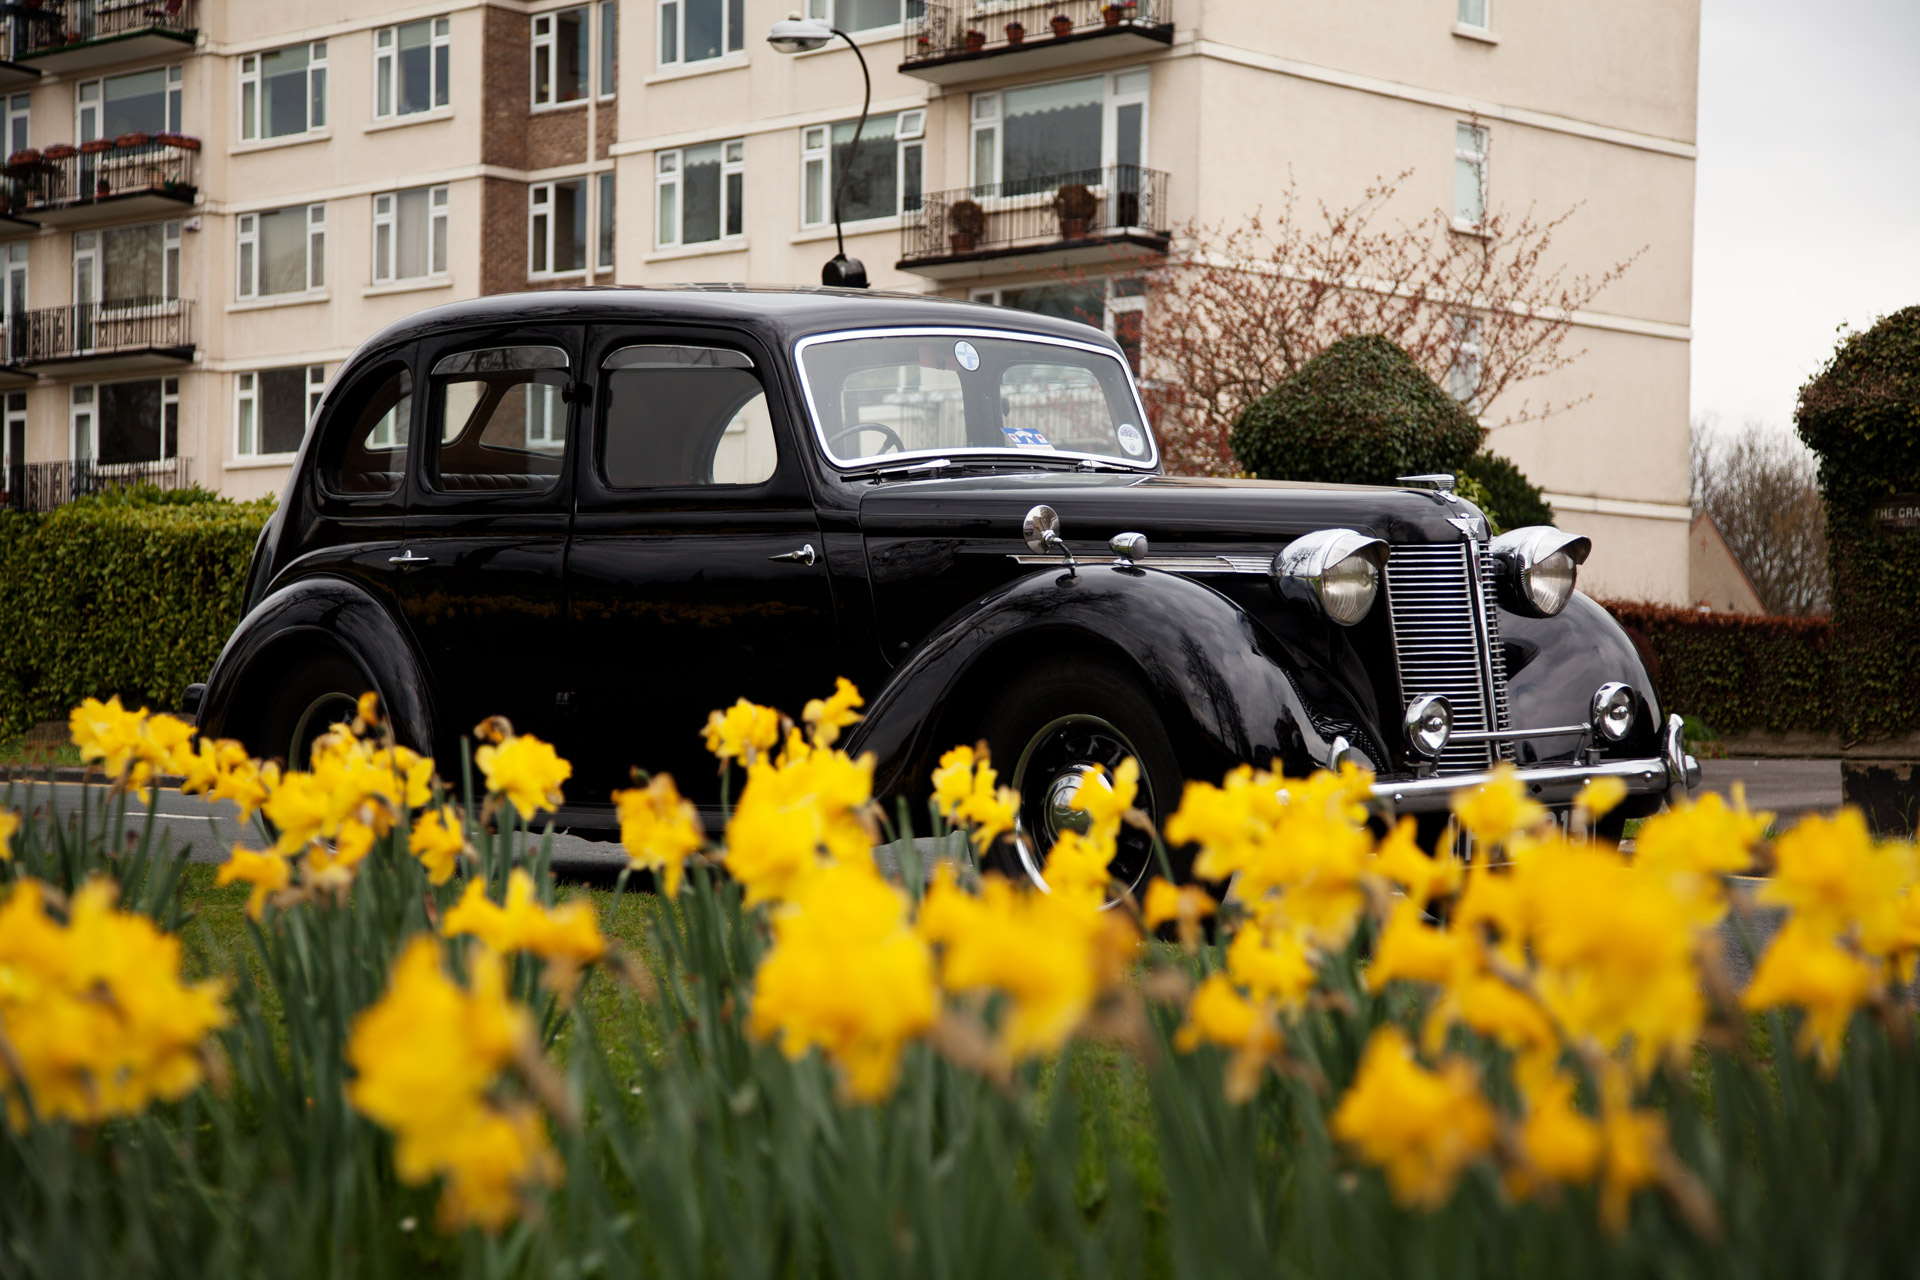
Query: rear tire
[(321, 691), (1054, 720)]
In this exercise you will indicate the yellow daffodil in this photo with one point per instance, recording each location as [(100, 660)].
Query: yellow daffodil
[(1600, 797), (1634, 1147), (1500, 810), (1077, 865), (1837, 882), (1185, 907), (828, 716), (525, 770), (266, 872), (1400, 859), (567, 937), (796, 815), (1698, 842), (129, 746), (743, 732), (1804, 967), (9, 823), (1561, 1143), (1273, 967), (1217, 1014), (438, 841), (1108, 800), (1421, 1127), (964, 790), (1409, 949), (659, 829)]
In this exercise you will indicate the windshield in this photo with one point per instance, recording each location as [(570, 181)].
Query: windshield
[(881, 396)]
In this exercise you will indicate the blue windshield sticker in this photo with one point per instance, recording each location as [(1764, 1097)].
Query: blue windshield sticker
[(1025, 438), (1131, 440), (969, 358)]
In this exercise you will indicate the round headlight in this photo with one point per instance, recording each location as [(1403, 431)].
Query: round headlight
[(1538, 568), (1335, 570), (1429, 724), (1613, 707), (1348, 588), (1549, 584)]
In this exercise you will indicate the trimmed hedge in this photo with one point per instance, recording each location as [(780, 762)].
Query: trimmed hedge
[(1739, 672), (123, 594)]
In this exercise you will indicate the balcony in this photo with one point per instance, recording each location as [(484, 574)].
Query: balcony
[(1062, 220), (42, 486), (122, 336), (78, 35), (954, 41), (136, 174)]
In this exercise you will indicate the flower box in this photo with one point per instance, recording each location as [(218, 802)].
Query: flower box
[(128, 141), (96, 146)]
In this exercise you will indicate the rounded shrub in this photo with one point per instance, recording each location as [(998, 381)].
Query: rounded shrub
[(1512, 501), (1360, 412)]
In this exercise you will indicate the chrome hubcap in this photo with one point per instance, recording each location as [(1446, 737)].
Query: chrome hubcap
[(1058, 814), (1056, 762)]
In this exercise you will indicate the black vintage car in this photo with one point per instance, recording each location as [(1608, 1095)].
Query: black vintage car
[(603, 513)]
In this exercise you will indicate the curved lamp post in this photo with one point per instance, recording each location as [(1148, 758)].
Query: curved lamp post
[(797, 35)]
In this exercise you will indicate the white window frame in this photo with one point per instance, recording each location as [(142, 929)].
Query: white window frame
[(673, 13), (606, 49), (253, 94), (1113, 302), (247, 424), (816, 156), (247, 262), (83, 401), (15, 415), (1475, 159), (90, 262), (545, 40), (1466, 365), (824, 11), (603, 223), (386, 219), (19, 121), (987, 117), (90, 102), (1464, 11), (540, 205), (669, 176), (386, 57)]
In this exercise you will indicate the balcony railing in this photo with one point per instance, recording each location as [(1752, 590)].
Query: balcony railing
[(63, 182), (124, 327), (42, 486), (947, 30), (54, 26), (1085, 209)]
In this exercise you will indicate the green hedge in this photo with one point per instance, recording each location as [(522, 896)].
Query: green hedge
[(1739, 672), (126, 594)]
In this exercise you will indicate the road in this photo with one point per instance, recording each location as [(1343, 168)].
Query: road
[(1787, 787)]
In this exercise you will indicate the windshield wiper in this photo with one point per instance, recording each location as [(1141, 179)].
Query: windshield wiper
[(907, 469)]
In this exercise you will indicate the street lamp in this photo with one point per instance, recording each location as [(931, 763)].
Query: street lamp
[(796, 34)]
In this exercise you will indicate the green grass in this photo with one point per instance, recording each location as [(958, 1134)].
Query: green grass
[(37, 753)]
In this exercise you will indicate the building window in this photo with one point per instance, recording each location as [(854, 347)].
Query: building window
[(19, 109), (411, 66), (557, 228), (882, 181), (865, 15), (1473, 13), (410, 234), (283, 251), (1115, 304), (699, 191), (124, 422), (138, 102), (127, 265), (272, 408), (695, 30), (1464, 370), (13, 444), (609, 46), (561, 56), (1034, 138), (1469, 175), (283, 91), (605, 258)]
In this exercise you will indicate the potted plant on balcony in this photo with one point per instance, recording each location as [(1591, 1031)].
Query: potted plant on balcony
[(1015, 33), (129, 141), (976, 41), (923, 44), (966, 222), (1062, 25), (1075, 205), (25, 158), (1112, 14), (96, 146), (60, 151), (179, 140)]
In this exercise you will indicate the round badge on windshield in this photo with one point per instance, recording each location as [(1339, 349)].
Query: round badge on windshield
[(969, 358), (1131, 440)]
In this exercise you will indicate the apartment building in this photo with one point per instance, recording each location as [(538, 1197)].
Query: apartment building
[(209, 203)]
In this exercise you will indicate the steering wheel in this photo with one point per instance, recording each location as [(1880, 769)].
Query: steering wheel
[(893, 442)]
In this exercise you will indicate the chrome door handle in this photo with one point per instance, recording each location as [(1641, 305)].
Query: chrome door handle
[(407, 557), (805, 555)]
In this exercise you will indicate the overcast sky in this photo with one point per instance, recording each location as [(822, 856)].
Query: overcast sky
[(1808, 196)]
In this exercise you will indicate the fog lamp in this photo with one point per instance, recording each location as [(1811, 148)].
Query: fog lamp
[(1429, 724), (1612, 712)]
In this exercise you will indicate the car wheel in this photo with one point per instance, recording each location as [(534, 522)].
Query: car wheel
[(1049, 726), (320, 692)]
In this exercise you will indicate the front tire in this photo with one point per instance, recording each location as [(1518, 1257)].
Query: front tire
[(322, 691)]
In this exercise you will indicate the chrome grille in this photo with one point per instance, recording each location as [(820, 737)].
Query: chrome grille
[(1446, 640)]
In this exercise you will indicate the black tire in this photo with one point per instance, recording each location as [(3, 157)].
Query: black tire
[(1059, 714), (319, 691)]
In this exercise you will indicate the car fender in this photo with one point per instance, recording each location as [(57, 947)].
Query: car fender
[(1222, 689), (1554, 666), (320, 611)]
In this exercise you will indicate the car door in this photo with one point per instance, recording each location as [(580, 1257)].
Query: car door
[(481, 579), (695, 573)]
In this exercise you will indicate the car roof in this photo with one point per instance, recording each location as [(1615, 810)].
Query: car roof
[(791, 311)]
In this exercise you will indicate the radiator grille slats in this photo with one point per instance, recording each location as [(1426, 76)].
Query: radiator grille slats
[(1445, 633)]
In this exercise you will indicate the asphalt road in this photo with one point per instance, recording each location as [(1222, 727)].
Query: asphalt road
[(1787, 787)]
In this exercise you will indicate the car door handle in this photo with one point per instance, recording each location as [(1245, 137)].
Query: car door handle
[(407, 557), (805, 555)]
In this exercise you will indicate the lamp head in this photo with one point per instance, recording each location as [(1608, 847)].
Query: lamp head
[(844, 272), (795, 34)]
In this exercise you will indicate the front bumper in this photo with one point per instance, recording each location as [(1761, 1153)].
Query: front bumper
[(1673, 773)]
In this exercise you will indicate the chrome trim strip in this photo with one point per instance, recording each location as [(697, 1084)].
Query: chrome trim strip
[(1549, 784), (1505, 735), (1251, 565)]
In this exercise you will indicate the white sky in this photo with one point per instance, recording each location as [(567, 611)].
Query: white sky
[(1807, 210)]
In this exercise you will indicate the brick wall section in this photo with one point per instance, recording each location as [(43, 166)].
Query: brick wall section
[(503, 235), (503, 88), (606, 129), (554, 138)]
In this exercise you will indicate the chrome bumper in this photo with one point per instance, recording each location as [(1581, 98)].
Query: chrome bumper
[(1673, 772)]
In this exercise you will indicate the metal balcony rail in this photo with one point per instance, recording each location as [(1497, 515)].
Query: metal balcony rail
[(99, 329), (42, 486), (1036, 212), (62, 176), (59, 24), (942, 30)]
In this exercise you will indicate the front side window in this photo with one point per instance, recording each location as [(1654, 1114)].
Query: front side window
[(364, 452), (683, 415), (696, 30), (117, 423), (410, 234), (128, 265), (283, 91), (882, 176), (1469, 175), (500, 420), (557, 228), (283, 251), (272, 408), (865, 15), (562, 59), (1036, 138), (138, 102), (880, 398), (699, 191), (411, 66)]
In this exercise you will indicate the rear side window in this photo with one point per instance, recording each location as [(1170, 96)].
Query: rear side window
[(368, 452), (500, 420), (684, 415)]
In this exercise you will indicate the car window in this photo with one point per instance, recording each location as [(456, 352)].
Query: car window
[(368, 454), (501, 422), (684, 415), (1062, 404), (920, 404)]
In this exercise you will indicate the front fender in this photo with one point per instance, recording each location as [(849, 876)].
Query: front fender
[(1555, 664), (309, 613), (1221, 687)]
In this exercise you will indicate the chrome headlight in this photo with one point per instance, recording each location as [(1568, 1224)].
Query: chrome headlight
[(1611, 710), (1336, 570), (1538, 567)]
